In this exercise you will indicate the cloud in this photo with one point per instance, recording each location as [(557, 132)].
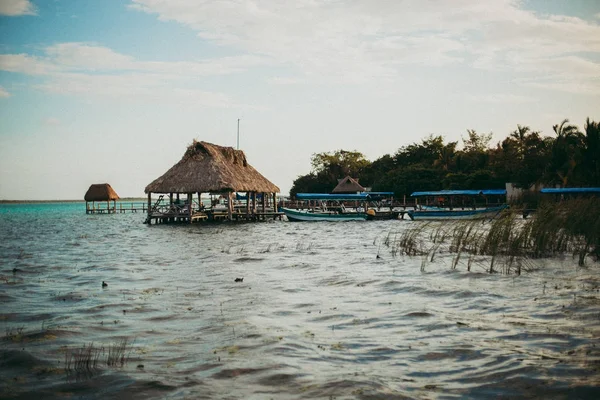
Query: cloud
[(353, 41), (86, 69), (51, 121), (502, 98), (13, 8), (26, 64), (3, 93)]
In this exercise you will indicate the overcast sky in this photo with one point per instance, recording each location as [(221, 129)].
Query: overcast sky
[(114, 90)]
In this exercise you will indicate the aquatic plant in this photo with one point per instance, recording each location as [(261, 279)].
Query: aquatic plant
[(568, 227), (84, 359), (118, 353)]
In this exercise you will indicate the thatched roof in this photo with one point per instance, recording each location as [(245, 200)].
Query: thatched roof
[(101, 192), (348, 185), (206, 167)]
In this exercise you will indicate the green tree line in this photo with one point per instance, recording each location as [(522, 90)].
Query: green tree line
[(569, 158)]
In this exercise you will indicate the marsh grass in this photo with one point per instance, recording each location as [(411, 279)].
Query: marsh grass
[(86, 359), (508, 242), (83, 359), (118, 353)]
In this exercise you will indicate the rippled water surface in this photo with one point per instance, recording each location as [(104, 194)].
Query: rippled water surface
[(324, 311)]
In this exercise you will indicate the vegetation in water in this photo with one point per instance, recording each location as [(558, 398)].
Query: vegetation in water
[(508, 242), (86, 359)]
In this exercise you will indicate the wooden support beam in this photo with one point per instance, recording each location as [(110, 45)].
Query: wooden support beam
[(149, 207), (247, 204), (189, 206)]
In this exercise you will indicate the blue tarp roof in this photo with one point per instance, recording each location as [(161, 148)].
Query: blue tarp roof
[(327, 196), (380, 193), (570, 190), (487, 192)]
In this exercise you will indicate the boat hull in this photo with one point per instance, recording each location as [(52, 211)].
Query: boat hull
[(440, 214), (304, 216)]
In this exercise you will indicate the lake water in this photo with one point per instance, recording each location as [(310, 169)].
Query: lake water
[(317, 315)]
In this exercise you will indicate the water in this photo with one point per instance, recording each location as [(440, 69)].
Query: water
[(317, 315)]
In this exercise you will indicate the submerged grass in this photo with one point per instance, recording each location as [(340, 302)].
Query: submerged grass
[(508, 241)]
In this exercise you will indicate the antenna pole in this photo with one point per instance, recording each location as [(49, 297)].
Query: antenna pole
[(238, 135)]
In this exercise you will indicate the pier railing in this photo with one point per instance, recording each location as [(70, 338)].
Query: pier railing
[(121, 207)]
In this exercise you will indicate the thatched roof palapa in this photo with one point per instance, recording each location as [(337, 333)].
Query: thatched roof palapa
[(206, 167), (348, 185), (101, 192)]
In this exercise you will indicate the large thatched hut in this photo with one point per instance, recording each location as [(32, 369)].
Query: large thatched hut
[(210, 169), (100, 192), (348, 185)]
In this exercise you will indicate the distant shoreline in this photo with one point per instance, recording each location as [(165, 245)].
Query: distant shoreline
[(123, 200)]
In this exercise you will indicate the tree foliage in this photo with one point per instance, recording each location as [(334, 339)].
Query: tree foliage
[(524, 157)]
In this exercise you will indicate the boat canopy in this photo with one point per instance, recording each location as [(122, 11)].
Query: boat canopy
[(380, 193), (487, 192), (334, 196), (571, 190)]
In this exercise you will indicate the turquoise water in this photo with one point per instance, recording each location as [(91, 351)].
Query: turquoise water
[(317, 315)]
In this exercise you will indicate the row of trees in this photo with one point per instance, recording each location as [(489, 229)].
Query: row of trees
[(569, 158)]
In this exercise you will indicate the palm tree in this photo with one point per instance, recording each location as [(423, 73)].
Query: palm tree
[(520, 135), (446, 156), (591, 152), (566, 151)]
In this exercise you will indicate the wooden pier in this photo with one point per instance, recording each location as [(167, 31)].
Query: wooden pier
[(122, 207), (167, 210)]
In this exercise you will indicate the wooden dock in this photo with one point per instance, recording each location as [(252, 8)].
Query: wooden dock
[(165, 211), (121, 207), (208, 215)]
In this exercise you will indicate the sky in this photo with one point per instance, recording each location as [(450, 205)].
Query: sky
[(115, 90)]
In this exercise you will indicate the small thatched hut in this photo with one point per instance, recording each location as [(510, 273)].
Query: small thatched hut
[(100, 192), (348, 185), (209, 168)]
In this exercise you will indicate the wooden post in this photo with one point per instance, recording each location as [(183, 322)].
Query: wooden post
[(230, 205), (263, 202), (253, 202), (247, 204), (190, 198), (274, 205), (149, 207)]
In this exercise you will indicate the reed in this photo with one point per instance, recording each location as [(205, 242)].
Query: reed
[(84, 359), (118, 353), (569, 227)]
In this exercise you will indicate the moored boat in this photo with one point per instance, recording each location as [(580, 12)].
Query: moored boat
[(319, 215), (452, 204), (329, 207)]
